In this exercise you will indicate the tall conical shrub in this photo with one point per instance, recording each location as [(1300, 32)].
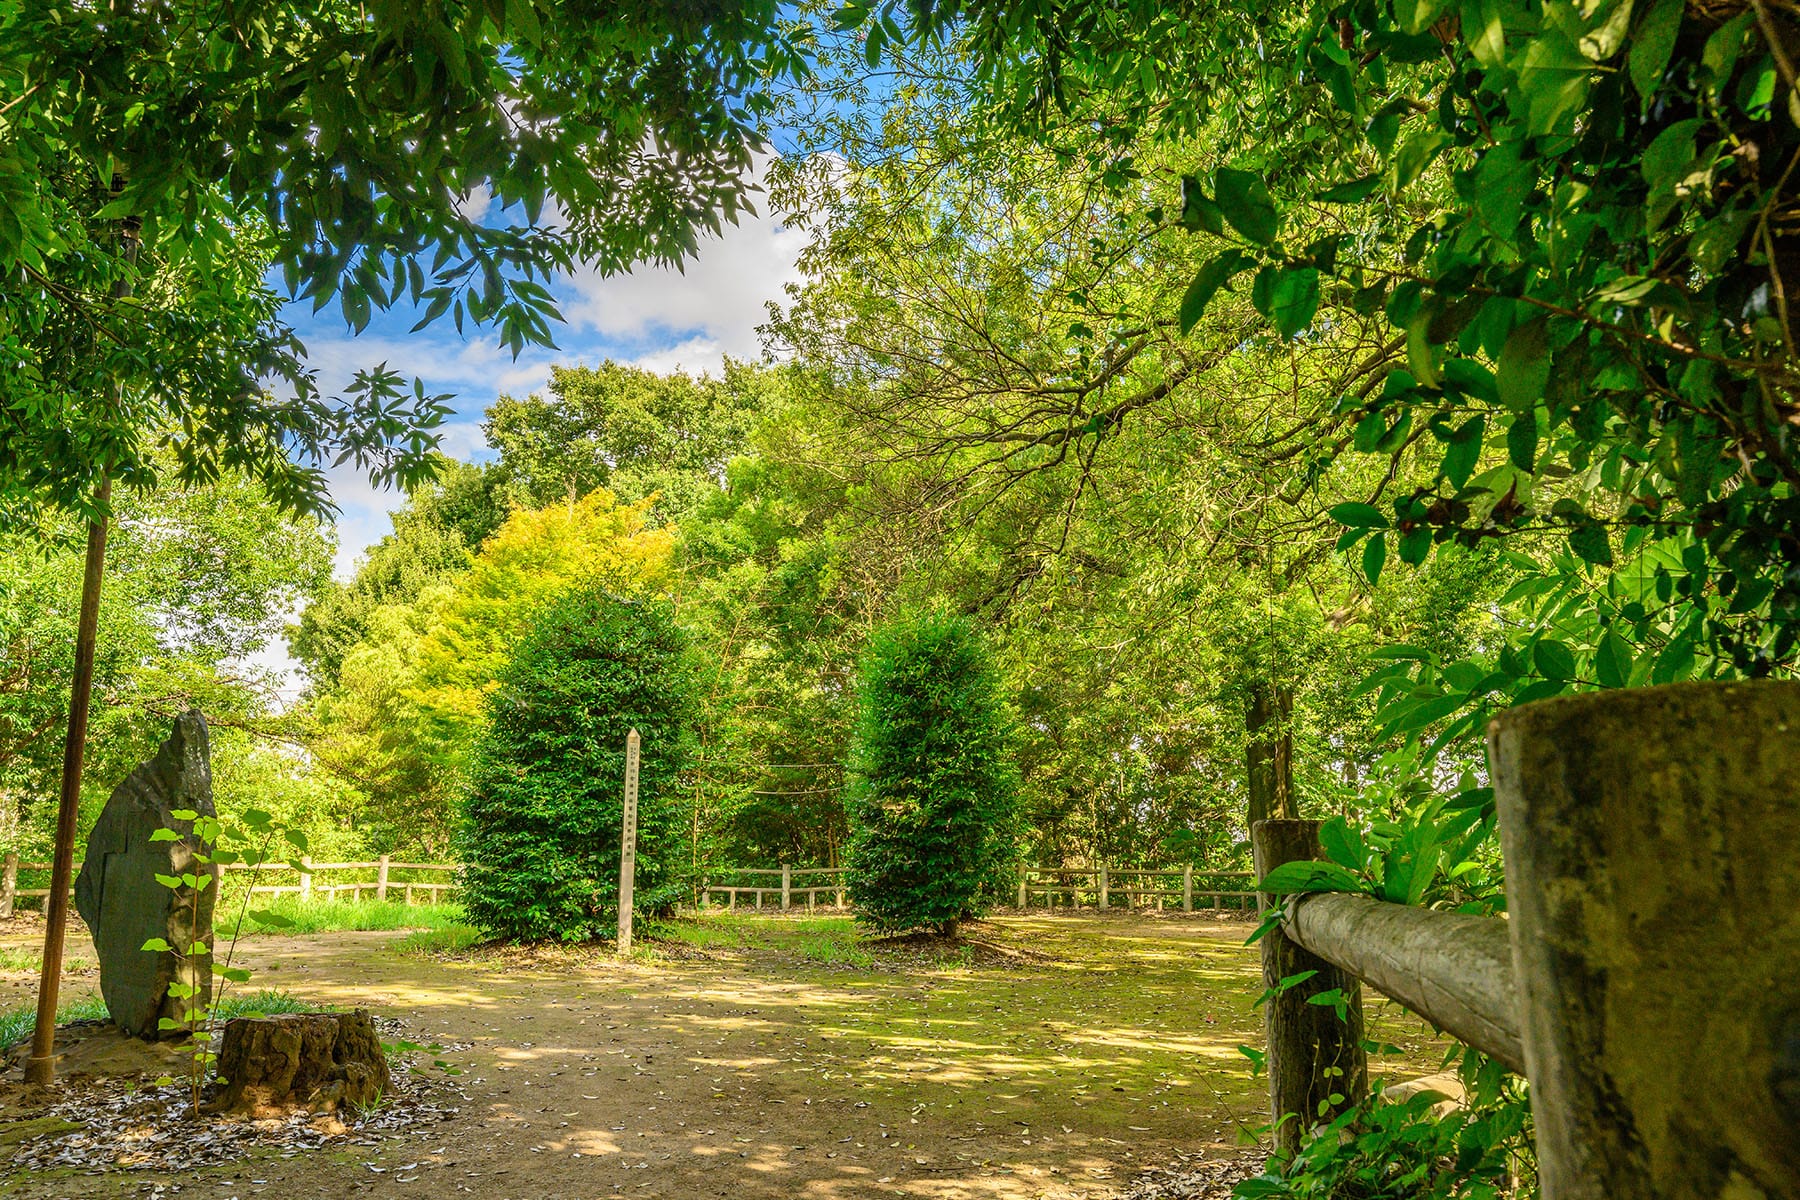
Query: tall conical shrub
[(546, 796), (933, 786)]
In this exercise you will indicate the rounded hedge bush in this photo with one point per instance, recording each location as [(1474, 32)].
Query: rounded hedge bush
[(542, 815), (933, 786)]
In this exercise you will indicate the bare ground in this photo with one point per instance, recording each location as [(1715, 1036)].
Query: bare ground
[(774, 1057)]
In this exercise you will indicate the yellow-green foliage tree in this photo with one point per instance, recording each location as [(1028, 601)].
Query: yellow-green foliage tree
[(409, 696)]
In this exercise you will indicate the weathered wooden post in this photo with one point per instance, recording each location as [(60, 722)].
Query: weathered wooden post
[(1653, 887), (381, 877), (9, 886), (787, 886), (628, 843), (305, 878), (1187, 888), (1317, 1065), (1022, 875), (1103, 887)]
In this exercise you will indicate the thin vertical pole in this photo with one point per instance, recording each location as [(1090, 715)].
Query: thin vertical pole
[(787, 881), (628, 842), (1187, 888), (381, 878), (41, 1066)]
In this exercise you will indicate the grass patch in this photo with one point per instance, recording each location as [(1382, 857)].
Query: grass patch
[(17, 1024), (451, 938), (265, 1002), (26, 959), (298, 916)]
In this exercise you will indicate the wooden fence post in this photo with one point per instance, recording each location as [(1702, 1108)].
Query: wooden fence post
[(787, 886), (1317, 1066), (1103, 887), (305, 878), (9, 886), (1654, 901), (1187, 887), (1022, 876), (381, 878), (628, 842)]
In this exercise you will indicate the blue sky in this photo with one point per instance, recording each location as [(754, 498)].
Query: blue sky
[(657, 318)]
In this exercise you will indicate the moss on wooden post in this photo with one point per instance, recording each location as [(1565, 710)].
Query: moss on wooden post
[(1314, 1055), (1652, 843)]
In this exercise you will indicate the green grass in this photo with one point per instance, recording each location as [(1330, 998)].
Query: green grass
[(451, 938), (330, 916), (17, 1024), (25, 958)]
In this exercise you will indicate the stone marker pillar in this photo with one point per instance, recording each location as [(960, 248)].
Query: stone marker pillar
[(119, 897)]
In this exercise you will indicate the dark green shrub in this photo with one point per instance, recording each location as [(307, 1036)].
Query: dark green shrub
[(933, 788), (546, 797)]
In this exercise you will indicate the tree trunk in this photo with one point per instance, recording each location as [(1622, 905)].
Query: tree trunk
[(316, 1061), (1269, 723)]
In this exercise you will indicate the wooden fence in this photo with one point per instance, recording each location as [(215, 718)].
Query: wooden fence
[(1639, 979), (1079, 887), (376, 879), (1100, 887)]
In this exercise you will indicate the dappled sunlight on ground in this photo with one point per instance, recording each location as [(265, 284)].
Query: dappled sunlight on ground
[(779, 1057)]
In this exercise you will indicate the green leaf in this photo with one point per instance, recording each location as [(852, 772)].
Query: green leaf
[(184, 814), (1612, 661), (1412, 159), (1554, 660), (1342, 844), (1288, 296), (1207, 281), (157, 944), (1374, 558), (1247, 204), (1350, 192), (1357, 515), (1524, 367), (1522, 441), (1590, 542), (164, 835), (1198, 212), (1651, 45), (1416, 16), (169, 881), (1300, 877)]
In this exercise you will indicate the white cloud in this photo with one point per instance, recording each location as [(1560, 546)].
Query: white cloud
[(657, 318), (715, 304)]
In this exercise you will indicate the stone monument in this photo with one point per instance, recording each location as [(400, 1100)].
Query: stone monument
[(118, 895)]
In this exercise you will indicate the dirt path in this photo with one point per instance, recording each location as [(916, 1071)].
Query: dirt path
[(760, 1071)]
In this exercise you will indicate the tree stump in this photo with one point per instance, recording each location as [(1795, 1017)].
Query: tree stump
[(316, 1061)]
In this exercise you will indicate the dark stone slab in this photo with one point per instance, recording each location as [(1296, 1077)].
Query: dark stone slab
[(119, 897)]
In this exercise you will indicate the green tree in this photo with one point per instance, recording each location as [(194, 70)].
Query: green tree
[(933, 787), (626, 429), (541, 821)]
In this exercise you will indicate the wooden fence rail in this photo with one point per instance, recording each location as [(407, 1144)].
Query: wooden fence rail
[(305, 886), (1097, 886), (1641, 977)]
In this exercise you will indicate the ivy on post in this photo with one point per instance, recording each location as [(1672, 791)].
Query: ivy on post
[(1312, 1011)]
